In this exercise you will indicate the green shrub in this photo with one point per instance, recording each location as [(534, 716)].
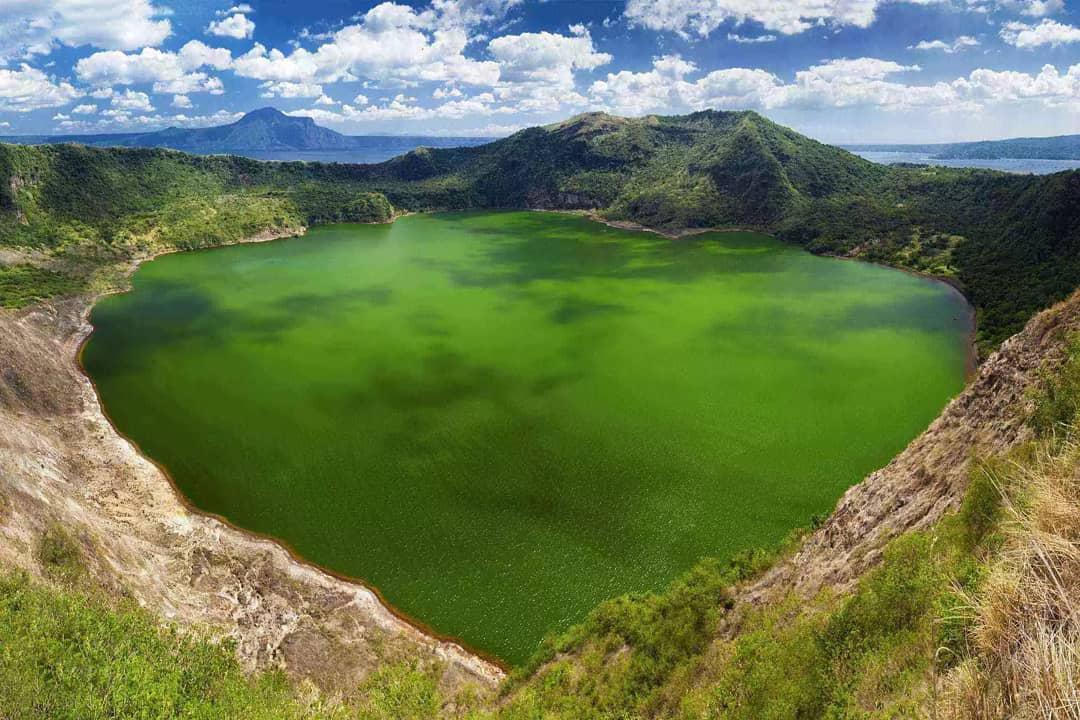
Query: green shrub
[(368, 207), (399, 692), (60, 555), (67, 655), (21, 285), (1057, 395)]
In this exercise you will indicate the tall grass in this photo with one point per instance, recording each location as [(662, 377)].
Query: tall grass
[(1025, 634)]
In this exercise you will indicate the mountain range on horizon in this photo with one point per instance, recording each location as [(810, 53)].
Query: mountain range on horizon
[(268, 129), (1057, 147), (263, 130)]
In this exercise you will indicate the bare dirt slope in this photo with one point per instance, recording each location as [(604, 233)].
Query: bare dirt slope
[(61, 462)]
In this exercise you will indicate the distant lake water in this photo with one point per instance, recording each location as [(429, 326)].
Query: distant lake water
[(503, 419), (373, 149), (370, 148), (1013, 165)]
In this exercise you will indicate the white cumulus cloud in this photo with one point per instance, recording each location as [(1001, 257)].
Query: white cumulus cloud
[(545, 56), (32, 27), (955, 46), (177, 73), (130, 100), (391, 43), (744, 40), (288, 89), (842, 83), (1048, 32), (1034, 8), (237, 26), (442, 93), (25, 88), (698, 18)]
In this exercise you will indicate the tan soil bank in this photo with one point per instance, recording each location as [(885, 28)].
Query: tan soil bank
[(61, 462)]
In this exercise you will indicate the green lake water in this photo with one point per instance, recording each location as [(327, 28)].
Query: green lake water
[(502, 419)]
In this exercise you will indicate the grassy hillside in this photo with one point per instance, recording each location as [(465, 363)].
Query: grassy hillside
[(1011, 242), (67, 653)]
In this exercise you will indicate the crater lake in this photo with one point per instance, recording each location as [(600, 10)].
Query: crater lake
[(499, 420)]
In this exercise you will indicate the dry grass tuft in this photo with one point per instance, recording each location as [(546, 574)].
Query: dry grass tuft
[(1025, 639)]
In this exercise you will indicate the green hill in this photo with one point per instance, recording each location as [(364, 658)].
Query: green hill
[(1010, 242)]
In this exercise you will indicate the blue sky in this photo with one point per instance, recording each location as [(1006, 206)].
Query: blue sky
[(838, 70)]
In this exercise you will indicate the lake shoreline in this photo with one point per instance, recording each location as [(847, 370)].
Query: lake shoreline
[(971, 348), (496, 669), (360, 569), (971, 363)]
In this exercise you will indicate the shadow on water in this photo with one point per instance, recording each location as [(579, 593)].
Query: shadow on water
[(335, 302), (429, 323), (539, 246), (572, 309), (164, 313)]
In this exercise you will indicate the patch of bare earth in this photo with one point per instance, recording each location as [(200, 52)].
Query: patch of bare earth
[(61, 462)]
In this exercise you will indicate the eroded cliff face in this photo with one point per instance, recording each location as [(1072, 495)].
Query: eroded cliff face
[(62, 463), (930, 476)]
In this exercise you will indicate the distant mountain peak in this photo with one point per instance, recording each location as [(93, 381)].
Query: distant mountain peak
[(274, 116), (263, 112)]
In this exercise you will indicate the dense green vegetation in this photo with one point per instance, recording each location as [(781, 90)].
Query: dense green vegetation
[(1011, 242), (24, 284), (66, 653)]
